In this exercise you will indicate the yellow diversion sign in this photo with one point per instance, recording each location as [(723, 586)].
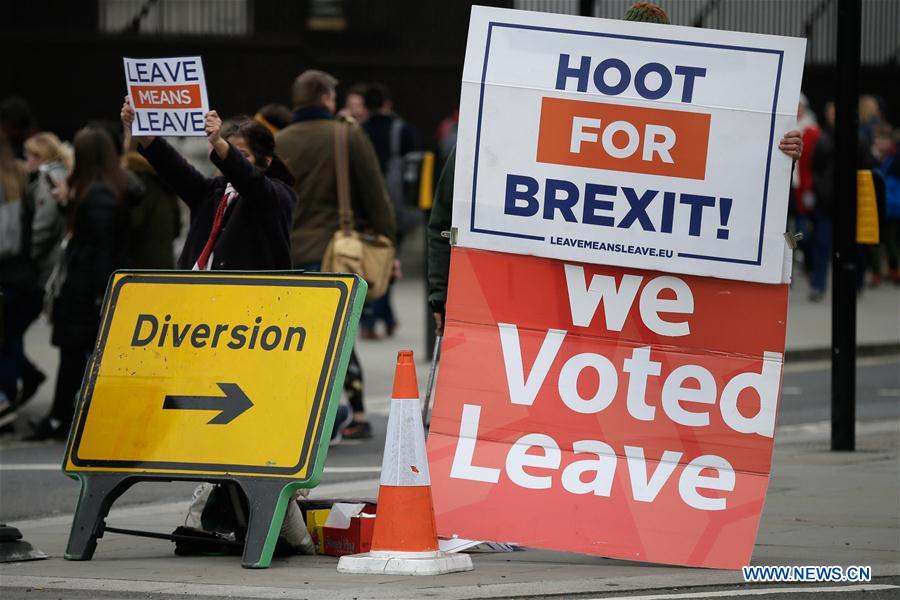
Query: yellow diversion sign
[(222, 377), (215, 374)]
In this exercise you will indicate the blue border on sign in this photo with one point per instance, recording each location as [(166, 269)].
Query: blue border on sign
[(487, 50)]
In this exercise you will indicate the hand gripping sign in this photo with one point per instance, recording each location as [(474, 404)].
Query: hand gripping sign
[(212, 377), (168, 95), (630, 144), (609, 411)]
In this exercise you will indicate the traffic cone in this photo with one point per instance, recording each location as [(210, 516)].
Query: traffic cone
[(404, 541)]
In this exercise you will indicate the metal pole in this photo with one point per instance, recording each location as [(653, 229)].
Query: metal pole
[(844, 269), (586, 8)]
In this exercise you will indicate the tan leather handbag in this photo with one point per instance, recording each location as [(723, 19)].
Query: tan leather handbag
[(368, 254)]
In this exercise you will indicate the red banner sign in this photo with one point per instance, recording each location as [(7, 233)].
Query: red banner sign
[(608, 411)]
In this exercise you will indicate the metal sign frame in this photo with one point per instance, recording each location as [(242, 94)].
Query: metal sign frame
[(268, 489)]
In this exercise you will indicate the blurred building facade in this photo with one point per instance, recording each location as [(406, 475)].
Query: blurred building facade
[(64, 56)]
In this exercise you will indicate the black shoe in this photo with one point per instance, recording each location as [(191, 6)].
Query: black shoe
[(358, 430), (31, 381), (8, 412), (47, 429)]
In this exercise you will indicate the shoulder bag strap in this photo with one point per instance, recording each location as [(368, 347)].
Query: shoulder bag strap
[(341, 167)]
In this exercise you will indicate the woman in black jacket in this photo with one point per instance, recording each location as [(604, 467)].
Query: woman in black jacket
[(94, 248), (240, 221)]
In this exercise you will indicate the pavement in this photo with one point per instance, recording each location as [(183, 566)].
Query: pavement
[(823, 508)]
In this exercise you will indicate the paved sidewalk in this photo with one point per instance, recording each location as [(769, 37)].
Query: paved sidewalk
[(809, 323), (823, 508)]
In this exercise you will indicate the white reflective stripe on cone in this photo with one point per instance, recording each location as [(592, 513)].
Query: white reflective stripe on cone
[(405, 461)]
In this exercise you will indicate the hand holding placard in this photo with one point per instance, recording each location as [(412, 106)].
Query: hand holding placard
[(213, 124), (168, 95)]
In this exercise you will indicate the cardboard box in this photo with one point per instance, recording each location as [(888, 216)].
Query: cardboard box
[(348, 529), (315, 523)]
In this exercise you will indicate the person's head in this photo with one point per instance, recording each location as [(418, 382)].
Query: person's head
[(113, 129), (257, 144), (378, 98), (274, 117), (314, 89), (251, 138), (355, 103), (95, 159), (646, 12), (882, 140), (15, 116), (42, 148), (869, 109)]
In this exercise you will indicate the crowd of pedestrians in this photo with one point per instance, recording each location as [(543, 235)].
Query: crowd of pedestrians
[(813, 200), (72, 213)]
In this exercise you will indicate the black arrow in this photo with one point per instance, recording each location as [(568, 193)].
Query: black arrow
[(232, 405)]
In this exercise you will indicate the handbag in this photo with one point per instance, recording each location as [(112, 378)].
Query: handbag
[(368, 254)]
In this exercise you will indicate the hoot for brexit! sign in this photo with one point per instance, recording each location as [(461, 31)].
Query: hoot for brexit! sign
[(168, 95), (608, 411), (648, 146)]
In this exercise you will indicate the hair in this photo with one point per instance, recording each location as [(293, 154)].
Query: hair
[(868, 108), (12, 176), (114, 130), (95, 158), (261, 142), (310, 86), (358, 89), (376, 95), (646, 12), (48, 147), (274, 117)]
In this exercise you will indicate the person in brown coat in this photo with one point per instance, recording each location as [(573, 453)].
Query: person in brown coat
[(307, 148)]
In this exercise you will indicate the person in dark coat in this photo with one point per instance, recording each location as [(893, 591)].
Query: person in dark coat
[(241, 220), (155, 219), (94, 248)]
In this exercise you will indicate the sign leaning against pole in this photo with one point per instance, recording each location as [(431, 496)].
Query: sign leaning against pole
[(617, 298), (212, 377)]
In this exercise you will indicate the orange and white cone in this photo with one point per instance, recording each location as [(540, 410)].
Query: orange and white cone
[(404, 541)]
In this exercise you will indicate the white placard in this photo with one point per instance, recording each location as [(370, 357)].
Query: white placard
[(621, 143), (168, 95)]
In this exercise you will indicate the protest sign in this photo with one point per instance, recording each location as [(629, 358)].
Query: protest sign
[(631, 144), (609, 411), (168, 95)]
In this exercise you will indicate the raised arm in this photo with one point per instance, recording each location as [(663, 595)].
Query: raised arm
[(250, 181), (178, 173)]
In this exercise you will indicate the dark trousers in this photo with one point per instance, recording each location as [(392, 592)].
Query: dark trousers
[(821, 251), (20, 307), (379, 310), (353, 381), (72, 363)]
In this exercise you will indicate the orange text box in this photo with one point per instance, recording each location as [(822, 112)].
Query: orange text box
[(166, 96), (642, 140)]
